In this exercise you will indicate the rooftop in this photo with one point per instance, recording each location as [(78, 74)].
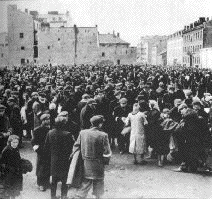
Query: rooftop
[(111, 39)]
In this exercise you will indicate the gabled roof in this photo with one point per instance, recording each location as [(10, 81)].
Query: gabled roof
[(111, 39)]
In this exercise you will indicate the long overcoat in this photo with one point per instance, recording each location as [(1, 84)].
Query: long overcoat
[(38, 138), (58, 148)]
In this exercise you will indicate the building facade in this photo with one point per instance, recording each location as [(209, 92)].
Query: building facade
[(114, 50), (149, 49), (40, 39), (175, 49), (20, 36), (4, 61), (196, 36)]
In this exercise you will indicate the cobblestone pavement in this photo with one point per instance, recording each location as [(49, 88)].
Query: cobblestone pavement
[(125, 180)]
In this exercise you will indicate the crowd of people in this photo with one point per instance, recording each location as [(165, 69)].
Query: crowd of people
[(148, 111)]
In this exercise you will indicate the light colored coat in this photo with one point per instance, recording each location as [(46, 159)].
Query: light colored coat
[(94, 145), (137, 134)]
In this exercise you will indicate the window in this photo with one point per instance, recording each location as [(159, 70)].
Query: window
[(126, 52), (2, 55), (103, 54), (58, 39), (21, 35), (22, 48), (22, 61), (6, 44), (60, 18), (53, 19), (48, 47)]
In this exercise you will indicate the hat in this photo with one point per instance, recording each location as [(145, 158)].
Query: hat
[(97, 119), (44, 116), (85, 96), (196, 102), (2, 107), (34, 93), (91, 101), (63, 114), (11, 99), (188, 93), (123, 100), (42, 94), (182, 106)]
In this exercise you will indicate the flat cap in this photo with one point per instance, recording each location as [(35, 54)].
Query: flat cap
[(85, 96), (11, 99), (2, 107), (63, 114), (34, 93), (97, 119), (91, 101), (123, 100), (170, 87), (44, 116)]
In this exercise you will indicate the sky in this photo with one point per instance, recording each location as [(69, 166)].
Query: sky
[(131, 18)]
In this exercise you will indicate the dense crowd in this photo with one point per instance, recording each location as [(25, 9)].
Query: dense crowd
[(154, 111)]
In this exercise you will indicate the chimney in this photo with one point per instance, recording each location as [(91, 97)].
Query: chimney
[(187, 27), (207, 18), (191, 25), (118, 35), (26, 11)]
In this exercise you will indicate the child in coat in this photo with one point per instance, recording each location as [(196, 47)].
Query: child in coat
[(11, 162)]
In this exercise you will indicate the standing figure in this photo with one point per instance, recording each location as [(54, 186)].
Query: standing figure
[(11, 161), (38, 141), (137, 121), (94, 146), (58, 147)]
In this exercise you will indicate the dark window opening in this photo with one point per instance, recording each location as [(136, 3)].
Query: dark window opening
[(21, 35), (103, 54), (126, 52), (48, 47), (58, 39), (49, 60), (118, 61), (34, 60), (35, 52), (22, 61), (2, 55), (27, 61), (22, 48)]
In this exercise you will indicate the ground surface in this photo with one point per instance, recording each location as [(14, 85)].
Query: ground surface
[(123, 179)]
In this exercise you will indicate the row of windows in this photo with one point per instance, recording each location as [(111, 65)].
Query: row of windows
[(193, 37), (194, 48), (195, 60)]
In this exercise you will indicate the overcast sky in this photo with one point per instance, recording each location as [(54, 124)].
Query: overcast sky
[(131, 18)]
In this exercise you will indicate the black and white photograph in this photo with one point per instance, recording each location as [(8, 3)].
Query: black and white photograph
[(105, 99)]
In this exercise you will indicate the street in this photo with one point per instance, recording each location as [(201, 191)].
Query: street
[(123, 179)]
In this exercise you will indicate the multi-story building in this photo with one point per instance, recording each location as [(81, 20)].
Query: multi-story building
[(54, 18), (175, 48), (115, 50), (4, 49), (195, 37), (149, 48), (33, 39), (20, 36)]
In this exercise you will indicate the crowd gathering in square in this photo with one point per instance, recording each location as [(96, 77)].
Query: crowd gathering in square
[(148, 111)]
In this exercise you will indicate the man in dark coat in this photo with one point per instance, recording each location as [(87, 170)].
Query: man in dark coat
[(38, 141), (120, 114), (15, 119), (95, 148), (58, 146), (87, 112), (5, 129)]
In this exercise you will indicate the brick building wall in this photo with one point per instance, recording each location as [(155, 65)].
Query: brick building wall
[(68, 45), (20, 36), (117, 54)]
